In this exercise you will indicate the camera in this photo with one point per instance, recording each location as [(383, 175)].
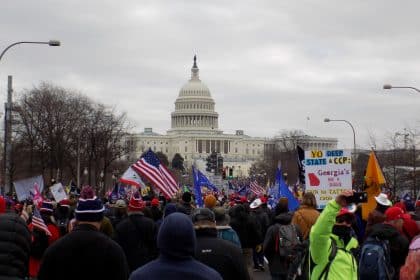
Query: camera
[(357, 197)]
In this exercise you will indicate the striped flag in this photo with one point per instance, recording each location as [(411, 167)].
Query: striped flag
[(39, 223), (256, 189), (150, 167)]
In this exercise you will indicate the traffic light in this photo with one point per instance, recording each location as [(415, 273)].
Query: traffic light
[(219, 166), (224, 174), (231, 172)]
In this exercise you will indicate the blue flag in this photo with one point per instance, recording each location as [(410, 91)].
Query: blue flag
[(197, 188), (203, 181), (284, 191)]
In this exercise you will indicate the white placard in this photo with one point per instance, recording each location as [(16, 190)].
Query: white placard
[(58, 192), (327, 173)]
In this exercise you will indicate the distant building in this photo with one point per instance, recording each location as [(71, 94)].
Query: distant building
[(195, 133)]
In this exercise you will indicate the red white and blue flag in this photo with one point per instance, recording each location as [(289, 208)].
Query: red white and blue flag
[(256, 188), (39, 223), (130, 177), (151, 168)]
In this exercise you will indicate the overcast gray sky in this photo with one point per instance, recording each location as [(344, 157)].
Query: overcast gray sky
[(268, 64)]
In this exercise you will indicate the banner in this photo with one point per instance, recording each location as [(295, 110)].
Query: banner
[(327, 174), (29, 188), (58, 192)]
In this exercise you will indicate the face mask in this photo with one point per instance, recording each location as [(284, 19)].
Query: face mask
[(343, 232)]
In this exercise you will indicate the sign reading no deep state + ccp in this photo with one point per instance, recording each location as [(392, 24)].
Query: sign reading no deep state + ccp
[(327, 174)]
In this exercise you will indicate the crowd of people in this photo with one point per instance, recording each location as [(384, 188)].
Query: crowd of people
[(231, 237)]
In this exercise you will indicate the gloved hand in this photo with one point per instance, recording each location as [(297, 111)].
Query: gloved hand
[(258, 248)]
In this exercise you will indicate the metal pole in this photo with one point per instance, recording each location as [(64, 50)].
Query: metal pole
[(78, 162), (7, 137)]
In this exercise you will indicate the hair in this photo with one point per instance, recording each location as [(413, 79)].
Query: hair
[(309, 200), (346, 218), (381, 208), (282, 206)]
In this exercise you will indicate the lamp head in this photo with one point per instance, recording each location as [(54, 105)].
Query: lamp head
[(387, 86), (54, 43), (327, 120)]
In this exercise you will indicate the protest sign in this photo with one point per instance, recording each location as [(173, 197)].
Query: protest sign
[(327, 173), (58, 192), (29, 188)]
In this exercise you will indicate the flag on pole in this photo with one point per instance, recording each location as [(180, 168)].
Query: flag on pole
[(197, 188), (284, 191), (301, 164), (203, 181), (38, 222), (151, 168), (374, 178), (130, 177), (256, 188)]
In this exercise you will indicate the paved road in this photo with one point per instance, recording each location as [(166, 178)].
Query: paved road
[(262, 275)]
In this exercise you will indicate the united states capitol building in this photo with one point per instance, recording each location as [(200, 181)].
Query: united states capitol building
[(195, 133)]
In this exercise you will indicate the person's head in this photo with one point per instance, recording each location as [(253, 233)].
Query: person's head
[(120, 207), (345, 218), (155, 202), (203, 218), (282, 206), (186, 197), (210, 201), (176, 237), (136, 205), (222, 218), (309, 200), (394, 216), (382, 202), (90, 209)]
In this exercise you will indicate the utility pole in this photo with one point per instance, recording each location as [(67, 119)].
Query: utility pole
[(7, 137)]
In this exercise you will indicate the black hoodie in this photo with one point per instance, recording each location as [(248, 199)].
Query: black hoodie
[(397, 242)]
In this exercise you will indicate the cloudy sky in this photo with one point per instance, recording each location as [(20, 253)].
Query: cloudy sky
[(269, 64)]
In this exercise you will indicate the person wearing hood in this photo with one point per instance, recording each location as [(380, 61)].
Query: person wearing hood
[(334, 227), (136, 234), (391, 230), (85, 252), (277, 263), (219, 254), (176, 242), (224, 230)]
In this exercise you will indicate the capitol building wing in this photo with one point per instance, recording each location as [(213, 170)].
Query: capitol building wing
[(195, 133)]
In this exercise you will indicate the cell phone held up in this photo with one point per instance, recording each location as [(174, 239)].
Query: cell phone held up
[(357, 197)]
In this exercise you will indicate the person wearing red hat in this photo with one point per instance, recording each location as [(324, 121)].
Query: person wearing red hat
[(136, 234), (391, 232), (155, 210)]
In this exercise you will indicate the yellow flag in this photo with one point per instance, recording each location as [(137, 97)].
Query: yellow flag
[(374, 178)]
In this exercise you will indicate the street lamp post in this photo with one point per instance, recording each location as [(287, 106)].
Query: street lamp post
[(7, 118), (388, 86), (354, 139)]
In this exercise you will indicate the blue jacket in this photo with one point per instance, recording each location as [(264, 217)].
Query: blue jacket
[(176, 242), (227, 233)]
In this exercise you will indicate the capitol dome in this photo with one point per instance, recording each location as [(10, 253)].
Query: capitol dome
[(194, 107)]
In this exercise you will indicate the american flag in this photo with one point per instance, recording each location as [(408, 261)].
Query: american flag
[(39, 223), (256, 189), (150, 167)]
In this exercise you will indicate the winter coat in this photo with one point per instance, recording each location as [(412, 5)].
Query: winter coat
[(344, 265), (156, 213), (305, 217), (176, 242), (245, 226), (221, 255), (262, 219), (84, 254), (227, 233), (136, 235), (398, 244), (15, 240), (277, 265), (375, 217)]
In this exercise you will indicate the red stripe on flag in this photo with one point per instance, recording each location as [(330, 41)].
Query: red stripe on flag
[(153, 174)]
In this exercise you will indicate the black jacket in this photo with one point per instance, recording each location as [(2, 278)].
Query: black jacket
[(136, 234), (262, 219), (397, 242), (84, 253), (176, 242), (245, 226), (219, 254), (15, 242), (278, 265)]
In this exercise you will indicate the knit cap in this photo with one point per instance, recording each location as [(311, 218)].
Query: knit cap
[(394, 213), (89, 208), (47, 207), (210, 201), (136, 204)]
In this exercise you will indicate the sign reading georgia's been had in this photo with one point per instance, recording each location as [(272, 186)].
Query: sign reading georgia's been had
[(327, 173)]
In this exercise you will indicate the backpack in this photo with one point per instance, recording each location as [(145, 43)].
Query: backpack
[(286, 241), (39, 243), (375, 262), (311, 264)]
